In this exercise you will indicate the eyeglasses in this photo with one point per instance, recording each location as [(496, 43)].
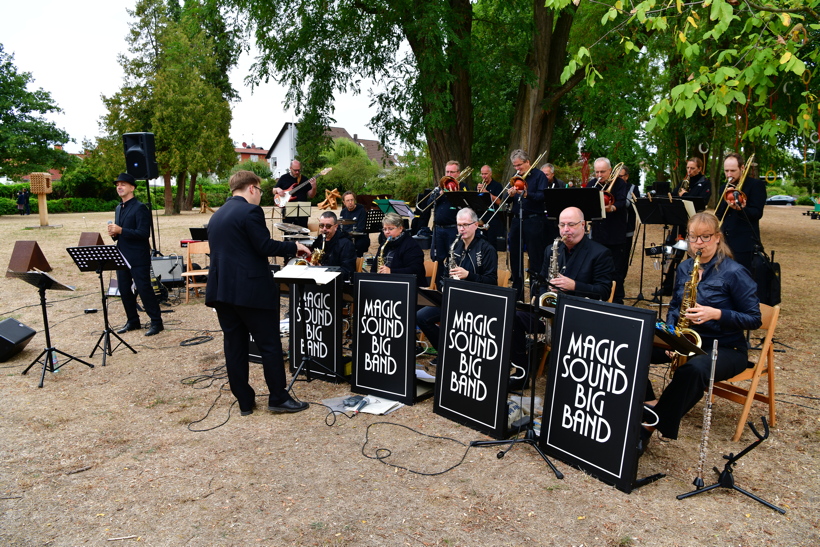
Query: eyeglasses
[(704, 238), (465, 225), (258, 189), (563, 225), (328, 226)]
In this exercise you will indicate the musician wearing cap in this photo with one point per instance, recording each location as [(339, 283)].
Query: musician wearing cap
[(717, 298), (444, 213), (399, 253), (741, 208), (333, 247), (293, 180), (611, 231), (574, 265), (242, 290), (355, 212), (529, 219), (471, 259), (131, 229)]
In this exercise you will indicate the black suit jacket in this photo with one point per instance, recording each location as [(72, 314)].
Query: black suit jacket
[(589, 264), (135, 220), (240, 243), (742, 228)]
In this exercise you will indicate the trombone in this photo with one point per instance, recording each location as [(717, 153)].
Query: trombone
[(734, 194), (516, 180), (446, 184)]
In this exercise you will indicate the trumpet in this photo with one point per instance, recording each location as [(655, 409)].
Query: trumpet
[(734, 194)]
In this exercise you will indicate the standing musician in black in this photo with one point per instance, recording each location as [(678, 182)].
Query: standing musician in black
[(741, 223), (726, 304), (495, 229), (244, 294), (357, 213), (333, 246), (474, 260), (529, 220), (694, 185), (552, 181), (611, 231), (444, 214), (292, 179), (131, 228), (399, 253)]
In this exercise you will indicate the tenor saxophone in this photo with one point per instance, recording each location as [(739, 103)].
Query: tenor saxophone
[(318, 254), (380, 258), (690, 294), (550, 298), (451, 259)]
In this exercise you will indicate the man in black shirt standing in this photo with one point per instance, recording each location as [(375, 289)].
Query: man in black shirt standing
[(444, 213), (741, 222), (496, 230), (292, 181)]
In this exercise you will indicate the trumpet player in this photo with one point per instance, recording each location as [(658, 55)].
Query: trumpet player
[(611, 231), (334, 246), (472, 259), (725, 306), (741, 222)]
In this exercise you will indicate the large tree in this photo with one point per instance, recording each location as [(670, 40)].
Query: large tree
[(27, 139)]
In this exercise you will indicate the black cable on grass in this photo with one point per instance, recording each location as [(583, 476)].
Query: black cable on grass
[(383, 453)]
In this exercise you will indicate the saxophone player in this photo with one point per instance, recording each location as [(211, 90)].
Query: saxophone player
[(726, 305), (471, 259), (334, 246), (399, 253)]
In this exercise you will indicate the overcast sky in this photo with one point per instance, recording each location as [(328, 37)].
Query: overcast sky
[(71, 48)]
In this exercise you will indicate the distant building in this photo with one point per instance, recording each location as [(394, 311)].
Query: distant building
[(283, 149), (251, 152)]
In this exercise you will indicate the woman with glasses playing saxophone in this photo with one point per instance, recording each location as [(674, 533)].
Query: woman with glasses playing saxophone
[(725, 305), (399, 253)]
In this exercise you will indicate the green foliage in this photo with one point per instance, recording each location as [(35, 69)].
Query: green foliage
[(261, 168), (26, 137), (806, 200), (80, 181)]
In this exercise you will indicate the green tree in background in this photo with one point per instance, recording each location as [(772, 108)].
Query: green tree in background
[(26, 138)]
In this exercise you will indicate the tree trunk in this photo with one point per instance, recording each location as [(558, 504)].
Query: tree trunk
[(535, 112), (182, 177), (189, 199), (169, 194)]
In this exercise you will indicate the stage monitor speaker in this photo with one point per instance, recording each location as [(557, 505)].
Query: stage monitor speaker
[(88, 239), (168, 268), (140, 155), (27, 255), (14, 336)]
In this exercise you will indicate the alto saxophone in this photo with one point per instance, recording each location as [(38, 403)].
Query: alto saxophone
[(380, 258), (550, 298), (451, 260), (318, 254), (690, 294)]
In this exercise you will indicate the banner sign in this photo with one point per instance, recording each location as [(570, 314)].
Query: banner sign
[(385, 333), (599, 366), (474, 357), (316, 328)]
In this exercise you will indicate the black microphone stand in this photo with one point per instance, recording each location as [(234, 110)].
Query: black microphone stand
[(530, 436)]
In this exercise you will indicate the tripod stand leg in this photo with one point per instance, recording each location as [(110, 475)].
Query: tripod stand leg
[(764, 502)]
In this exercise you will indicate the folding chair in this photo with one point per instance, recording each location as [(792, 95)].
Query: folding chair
[(195, 278)]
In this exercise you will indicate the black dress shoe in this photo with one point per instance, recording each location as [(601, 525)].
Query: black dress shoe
[(155, 328), (517, 384), (130, 325), (643, 442), (247, 412), (288, 406)]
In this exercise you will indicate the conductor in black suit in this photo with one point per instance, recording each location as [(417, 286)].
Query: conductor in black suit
[(242, 291), (130, 229)]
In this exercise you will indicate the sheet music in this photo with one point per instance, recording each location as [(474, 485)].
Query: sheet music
[(317, 274)]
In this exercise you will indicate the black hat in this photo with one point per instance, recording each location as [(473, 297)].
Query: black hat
[(125, 177)]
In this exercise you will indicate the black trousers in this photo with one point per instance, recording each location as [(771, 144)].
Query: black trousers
[(238, 323), (141, 277), (689, 384), (532, 231), (620, 256)]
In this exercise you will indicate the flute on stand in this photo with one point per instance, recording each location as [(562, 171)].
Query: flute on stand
[(707, 421)]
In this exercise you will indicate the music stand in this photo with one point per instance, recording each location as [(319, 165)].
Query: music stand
[(43, 282), (373, 224), (100, 258), (306, 275), (589, 200), (530, 436), (478, 202), (297, 209)]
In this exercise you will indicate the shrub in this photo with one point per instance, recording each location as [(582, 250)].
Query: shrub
[(805, 200)]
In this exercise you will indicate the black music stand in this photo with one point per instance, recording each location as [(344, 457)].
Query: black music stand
[(589, 200), (478, 202), (100, 258), (530, 436), (307, 275), (43, 282), (373, 224)]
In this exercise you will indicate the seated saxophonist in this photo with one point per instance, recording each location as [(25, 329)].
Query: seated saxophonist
[(471, 259), (718, 300), (399, 253), (333, 247), (574, 265)]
